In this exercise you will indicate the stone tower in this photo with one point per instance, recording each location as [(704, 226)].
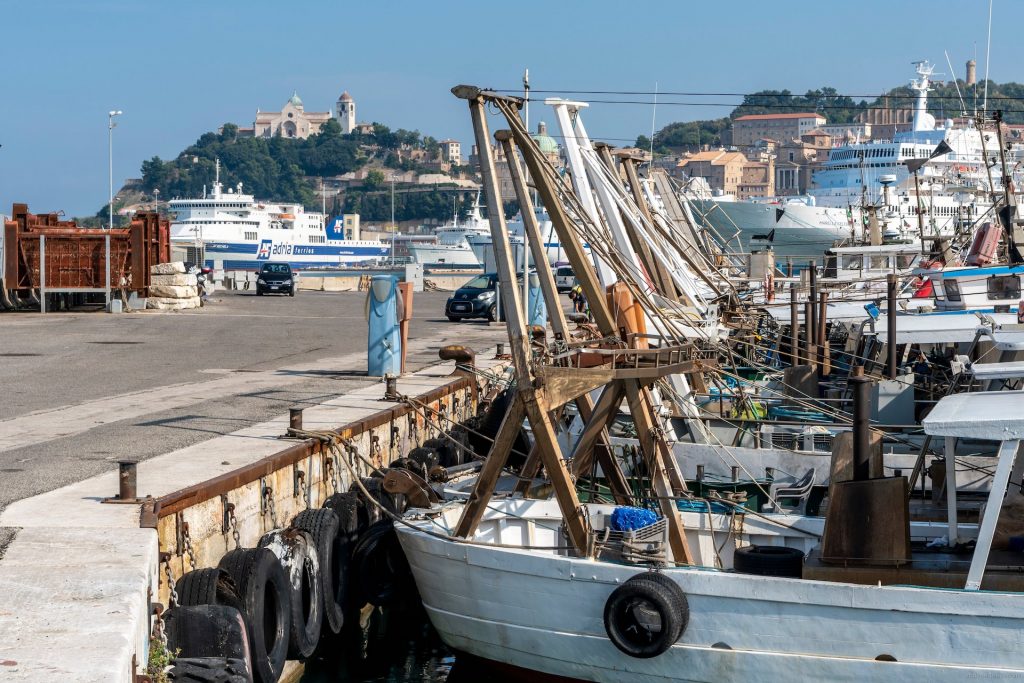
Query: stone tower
[(971, 72), (346, 113)]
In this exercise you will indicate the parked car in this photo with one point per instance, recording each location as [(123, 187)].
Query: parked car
[(275, 278), (475, 299), (565, 278)]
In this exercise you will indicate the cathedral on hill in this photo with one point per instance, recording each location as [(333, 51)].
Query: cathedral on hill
[(293, 121)]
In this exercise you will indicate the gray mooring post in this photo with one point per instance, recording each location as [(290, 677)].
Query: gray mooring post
[(42, 273), (794, 326), (809, 350), (127, 480), (861, 388), (891, 322)]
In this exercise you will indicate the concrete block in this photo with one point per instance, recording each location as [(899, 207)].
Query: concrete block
[(173, 291), (174, 280), (168, 268), (168, 304)]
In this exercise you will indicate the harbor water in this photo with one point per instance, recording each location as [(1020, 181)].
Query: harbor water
[(396, 646)]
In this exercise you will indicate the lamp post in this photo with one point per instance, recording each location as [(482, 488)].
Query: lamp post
[(110, 206), (156, 200), (392, 220)]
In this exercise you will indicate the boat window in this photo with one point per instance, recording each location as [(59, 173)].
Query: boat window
[(952, 289), (1003, 287)]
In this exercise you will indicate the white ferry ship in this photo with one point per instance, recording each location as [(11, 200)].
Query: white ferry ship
[(450, 247), (234, 231)]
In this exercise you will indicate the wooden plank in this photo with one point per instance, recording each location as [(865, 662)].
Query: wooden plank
[(565, 384), (491, 470), (604, 413), (868, 522), (557, 469)]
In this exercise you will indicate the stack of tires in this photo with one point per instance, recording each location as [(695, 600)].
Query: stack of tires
[(240, 621)]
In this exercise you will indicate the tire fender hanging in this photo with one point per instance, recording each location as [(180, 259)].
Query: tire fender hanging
[(646, 615), (296, 552)]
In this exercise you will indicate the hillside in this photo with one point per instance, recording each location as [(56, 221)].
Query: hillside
[(943, 102), (284, 169)]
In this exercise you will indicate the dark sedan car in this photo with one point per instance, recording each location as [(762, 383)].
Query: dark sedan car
[(275, 278)]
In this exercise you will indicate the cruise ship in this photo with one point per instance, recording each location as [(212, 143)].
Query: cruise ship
[(954, 188), (234, 231), (450, 247)]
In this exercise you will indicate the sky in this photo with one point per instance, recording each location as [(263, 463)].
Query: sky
[(179, 68)]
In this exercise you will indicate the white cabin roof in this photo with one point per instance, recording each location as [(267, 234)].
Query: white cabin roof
[(987, 371), (994, 415), (936, 328), (877, 249)]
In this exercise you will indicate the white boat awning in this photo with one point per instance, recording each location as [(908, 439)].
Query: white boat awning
[(936, 328), (987, 371), (993, 415)]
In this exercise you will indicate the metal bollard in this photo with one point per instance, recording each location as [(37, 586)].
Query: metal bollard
[(769, 474), (735, 473), (390, 388), (501, 350), (127, 479), (700, 472), (295, 418)]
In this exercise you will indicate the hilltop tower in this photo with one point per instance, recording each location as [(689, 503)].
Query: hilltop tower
[(346, 113), (972, 77)]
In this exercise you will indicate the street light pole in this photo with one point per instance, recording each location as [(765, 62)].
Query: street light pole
[(110, 206), (392, 220)]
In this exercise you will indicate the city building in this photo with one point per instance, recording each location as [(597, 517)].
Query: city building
[(451, 151), (293, 121), (746, 130), (847, 132), (797, 159), (721, 170)]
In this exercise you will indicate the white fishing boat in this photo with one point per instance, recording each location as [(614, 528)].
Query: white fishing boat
[(233, 230), (513, 594)]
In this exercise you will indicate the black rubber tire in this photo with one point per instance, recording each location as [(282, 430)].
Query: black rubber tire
[(210, 670), (207, 631), (769, 560), (683, 607), (208, 586), (492, 313), (296, 551), (322, 525), (259, 292), (375, 487), (442, 450), (263, 587), (427, 457), (351, 523), (454, 319), (644, 617), (413, 466), (380, 571)]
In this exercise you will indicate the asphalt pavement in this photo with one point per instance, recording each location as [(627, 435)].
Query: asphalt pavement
[(85, 389)]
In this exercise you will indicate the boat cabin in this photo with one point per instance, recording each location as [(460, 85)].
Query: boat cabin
[(994, 288)]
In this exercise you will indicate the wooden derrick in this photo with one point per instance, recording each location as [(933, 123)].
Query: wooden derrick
[(542, 387)]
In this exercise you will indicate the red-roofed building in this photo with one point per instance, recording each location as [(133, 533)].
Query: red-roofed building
[(746, 130)]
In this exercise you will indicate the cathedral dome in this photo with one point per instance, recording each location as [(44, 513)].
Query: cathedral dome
[(294, 100), (345, 97), (546, 143)]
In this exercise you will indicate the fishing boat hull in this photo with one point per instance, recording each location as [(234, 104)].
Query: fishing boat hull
[(543, 611)]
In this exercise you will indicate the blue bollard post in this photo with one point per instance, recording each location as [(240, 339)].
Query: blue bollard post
[(538, 309), (384, 344)]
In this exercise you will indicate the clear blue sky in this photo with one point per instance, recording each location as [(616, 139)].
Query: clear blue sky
[(180, 68)]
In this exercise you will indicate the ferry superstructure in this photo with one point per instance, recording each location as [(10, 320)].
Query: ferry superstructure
[(451, 247), (232, 230)]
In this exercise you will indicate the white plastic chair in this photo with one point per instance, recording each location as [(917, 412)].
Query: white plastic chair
[(798, 490)]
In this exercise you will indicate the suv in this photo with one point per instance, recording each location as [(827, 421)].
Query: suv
[(476, 299), (276, 278)]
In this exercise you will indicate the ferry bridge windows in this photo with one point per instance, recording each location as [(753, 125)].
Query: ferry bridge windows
[(1003, 287)]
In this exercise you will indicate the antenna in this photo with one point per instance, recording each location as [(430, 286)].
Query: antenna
[(952, 72), (654, 114), (988, 52)]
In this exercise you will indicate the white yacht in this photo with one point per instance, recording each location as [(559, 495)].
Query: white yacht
[(232, 230), (451, 248), (481, 243)]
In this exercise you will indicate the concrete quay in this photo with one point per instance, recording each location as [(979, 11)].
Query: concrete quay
[(78, 577)]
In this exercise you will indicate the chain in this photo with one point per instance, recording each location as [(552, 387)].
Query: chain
[(170, 583), (234, 528), (189, 550), (330, 475), (268, 495)]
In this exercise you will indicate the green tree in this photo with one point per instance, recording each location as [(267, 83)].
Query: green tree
[(374, 178)]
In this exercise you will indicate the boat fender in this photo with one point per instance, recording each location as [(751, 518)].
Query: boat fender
[(375, 486), (427, 458), (322, 525), (263, 588), (380, 571), (646, 615), (769, 560), (296, 551), (209, 670), (207, 631), (208, 586), (351, 523)]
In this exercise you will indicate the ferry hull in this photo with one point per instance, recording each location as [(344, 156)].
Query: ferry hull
[(441, 256), (801, 231), (251, 255)]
